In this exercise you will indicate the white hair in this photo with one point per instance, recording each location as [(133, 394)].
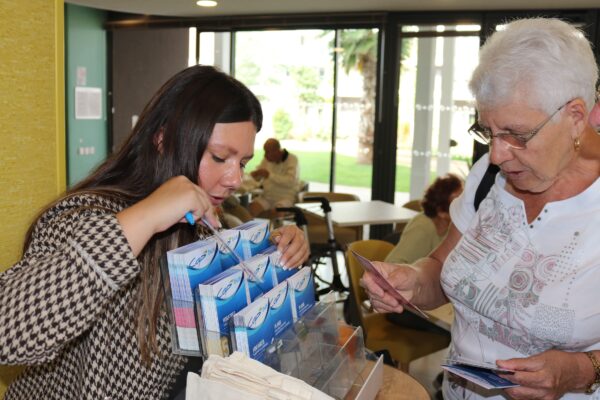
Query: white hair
[(544, 61)]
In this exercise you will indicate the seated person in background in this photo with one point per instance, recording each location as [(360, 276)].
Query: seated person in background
[(427, 229), (279, 172), (423, 233)]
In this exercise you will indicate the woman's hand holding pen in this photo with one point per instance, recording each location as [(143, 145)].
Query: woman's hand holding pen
[(163, 208), (402, 277)]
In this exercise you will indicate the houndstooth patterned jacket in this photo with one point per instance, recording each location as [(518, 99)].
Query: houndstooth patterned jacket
[(66, 311)]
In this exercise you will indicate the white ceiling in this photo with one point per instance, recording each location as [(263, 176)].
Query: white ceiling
[(188, 8)]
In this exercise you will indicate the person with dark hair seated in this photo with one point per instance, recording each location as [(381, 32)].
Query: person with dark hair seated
[(427, 229)]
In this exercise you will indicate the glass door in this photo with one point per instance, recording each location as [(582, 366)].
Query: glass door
[(435, 105), (290, 72), (355, 59), (317, 90)]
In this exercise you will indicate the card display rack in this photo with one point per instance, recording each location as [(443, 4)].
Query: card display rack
[(318, 349)]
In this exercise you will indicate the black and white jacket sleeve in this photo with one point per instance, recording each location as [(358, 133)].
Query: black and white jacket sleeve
[(77, 261)]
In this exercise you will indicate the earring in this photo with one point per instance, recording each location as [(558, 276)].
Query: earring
[(576, 144)]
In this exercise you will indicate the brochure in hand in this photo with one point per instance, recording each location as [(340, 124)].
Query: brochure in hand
[(385, 285), (481, 373)]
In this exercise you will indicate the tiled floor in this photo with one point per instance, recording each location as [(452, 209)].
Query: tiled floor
[(424, 369)]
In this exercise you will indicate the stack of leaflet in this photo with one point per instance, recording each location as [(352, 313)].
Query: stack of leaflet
[(255, 236), (245, 240), (188, 266), (222, 297), (184, 268), (219, 298), (230, 291), (270, 315), (266, 266)]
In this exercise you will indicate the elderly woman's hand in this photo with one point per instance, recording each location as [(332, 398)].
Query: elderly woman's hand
[(548, 375), (401, 277), (292, 244)]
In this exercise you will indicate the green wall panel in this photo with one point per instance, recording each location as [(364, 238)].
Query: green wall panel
[(86, 61)]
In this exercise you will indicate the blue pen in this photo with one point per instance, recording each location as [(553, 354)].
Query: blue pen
[(190, 219)]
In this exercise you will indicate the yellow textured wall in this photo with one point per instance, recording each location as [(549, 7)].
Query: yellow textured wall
[(32, 132)]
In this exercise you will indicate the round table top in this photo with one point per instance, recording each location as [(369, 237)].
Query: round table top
[(398, 385)]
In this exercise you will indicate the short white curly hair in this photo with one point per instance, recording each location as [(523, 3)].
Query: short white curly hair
[(544, 61)]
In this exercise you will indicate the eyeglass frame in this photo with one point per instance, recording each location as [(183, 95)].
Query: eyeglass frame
[(478, 132)]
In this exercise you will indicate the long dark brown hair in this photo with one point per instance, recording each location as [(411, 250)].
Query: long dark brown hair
[(184, 111)]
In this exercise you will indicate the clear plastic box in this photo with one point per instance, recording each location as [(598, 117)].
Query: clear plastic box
[(324, 353)]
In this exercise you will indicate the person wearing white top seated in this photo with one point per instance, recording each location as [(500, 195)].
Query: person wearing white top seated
[(279, 173)]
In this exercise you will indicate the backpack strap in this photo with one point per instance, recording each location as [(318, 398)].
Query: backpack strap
[(486, 184)]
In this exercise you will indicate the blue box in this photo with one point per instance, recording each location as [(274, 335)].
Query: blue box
[(219, 299), (233, 240), (262, 268), (252, 330), (281, 315), (255, 236), (280, 274), (302, 288), (191, 265)]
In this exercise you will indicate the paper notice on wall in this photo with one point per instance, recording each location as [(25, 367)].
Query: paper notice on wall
[(88, 103)]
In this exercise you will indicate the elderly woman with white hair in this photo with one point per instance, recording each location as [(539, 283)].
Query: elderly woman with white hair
[(523, 270)]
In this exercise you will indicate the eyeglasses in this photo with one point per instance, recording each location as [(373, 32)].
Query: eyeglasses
[(516, 140)]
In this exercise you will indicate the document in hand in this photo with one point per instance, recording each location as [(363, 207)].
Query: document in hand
[(384, 284), (480, 373)]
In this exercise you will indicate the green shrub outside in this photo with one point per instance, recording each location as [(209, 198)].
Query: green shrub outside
[(282, 124)]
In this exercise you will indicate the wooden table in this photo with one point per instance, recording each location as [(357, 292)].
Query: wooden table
[(399, 385), (355, 213), (395, 385)]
